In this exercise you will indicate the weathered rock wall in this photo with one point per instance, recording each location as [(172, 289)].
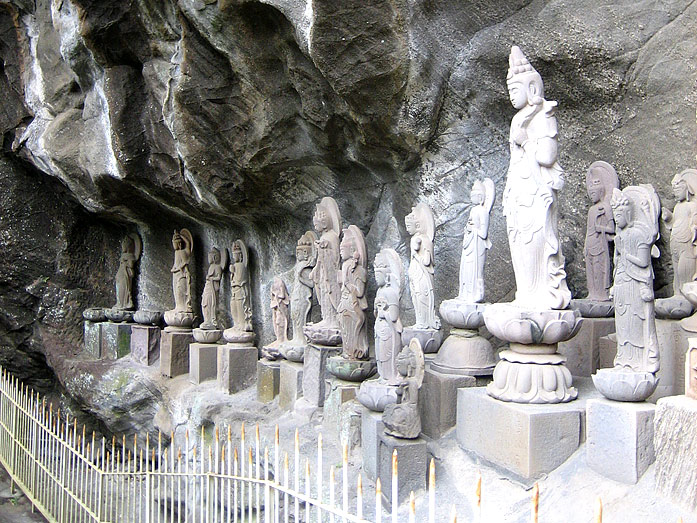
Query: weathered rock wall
[(235, 117)]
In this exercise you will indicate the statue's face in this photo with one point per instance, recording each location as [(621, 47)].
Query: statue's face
[(319, 220), (518, 95), (381, 274), (213, 257), (596, 190), (237, 256), (477, 197), (621, 215), (302, 253), (178, 244), (346, 248), (679, 190), (411, 223), (403, 366)]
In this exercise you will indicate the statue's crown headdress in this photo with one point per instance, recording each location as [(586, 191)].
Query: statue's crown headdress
[(619, 199)]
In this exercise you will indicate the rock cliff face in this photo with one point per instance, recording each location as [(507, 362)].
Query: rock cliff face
[(234, 118)]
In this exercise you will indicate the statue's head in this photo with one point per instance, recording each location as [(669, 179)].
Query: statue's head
[(347, 248), (601, 179), (278, 288), (128, 245), (303, 250), (214, 256), (177, 241), (320, 220), (477, 193), (237, 253), (406, 362), (684, 185), (412, 222), (621, 209), (382, 269), (524, 83)]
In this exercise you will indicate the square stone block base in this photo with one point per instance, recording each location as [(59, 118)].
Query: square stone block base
[(268, 378), (174, 352), (675, 444), (438, 401), (339, 393), (607, 350), (237, 366), (290, 387), (116, 340), (203, 362), (92, 336), (620, 439), (372, 428), (315, 372), (145, 344), (526, 440), (412, 456), (582, 351)]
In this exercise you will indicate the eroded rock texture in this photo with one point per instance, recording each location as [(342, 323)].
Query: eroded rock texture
[(233, 118)]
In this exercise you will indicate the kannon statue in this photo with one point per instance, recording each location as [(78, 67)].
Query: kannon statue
[(388, 325), (301, 296), (182, 241), (240, 295), (353, 302), (421, 226), (403, 419), (476, 242), (131, 248), (211, 290)]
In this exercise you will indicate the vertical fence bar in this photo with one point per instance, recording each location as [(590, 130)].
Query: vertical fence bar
[(344, 477), (478, 496), (378, 501), (432, 492), (237, 504), (296, 471), (286, 484), (229, 472), (307, 490), (249, 489), (535, 503), (359, 497), (276, 475), (257, 473), (395, 487), (319, 477), (268, 511), (332, 493), (412, 508)]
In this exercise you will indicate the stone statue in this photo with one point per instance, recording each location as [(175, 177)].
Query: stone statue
[(476, 242), (691, 372), (353, 302), (601, 179), (211, 290), (403, 419), (279, 318), (682, 223), (325, 274), (182, 316), (636, 210), (131, 248), (376, 394), (301, 296), (530, 196), (531, 370), (421, 226), (240, 295)]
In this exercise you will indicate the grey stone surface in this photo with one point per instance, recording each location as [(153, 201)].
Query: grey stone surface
[(607, 350), (290, 386), (115, 340), (145, 344), (174, 352), (203, 362), (438, 401), (268, 379), (237, 367), (338, 393), (412, 456), (582, 351), (92, 337), (675, 444), (620, 438), (350, 424), (525, 440), (315, 372), (371, 430)]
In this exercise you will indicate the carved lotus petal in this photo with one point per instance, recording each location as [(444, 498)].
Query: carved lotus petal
[(625, 385), (462, 314), (518, 325), (95, 314)]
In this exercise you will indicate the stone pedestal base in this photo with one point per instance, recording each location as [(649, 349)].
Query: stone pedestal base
[(203, 362), (438, 401), (582, 352), (412, 456), (92, 336), (371, 430), (465, 352), (174, 352), (237, 366), (376, 394), (526, 440), (620, 439), (339, 392), (116, 340), (342, 412), (292, 352), (290, 386), (268, 379), (430, 339), (315, 372), (145, 344), (675, 443), (351, 370)]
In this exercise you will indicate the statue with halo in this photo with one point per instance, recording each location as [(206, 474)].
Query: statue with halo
[(182, 316), (403, 419)]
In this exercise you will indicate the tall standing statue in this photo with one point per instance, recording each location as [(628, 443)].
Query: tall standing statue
[(279, 318), (636, 210), (211, 290), (378, 393), (421, 226), (682, 223), (240, 295), (601, 179), (325, 274), (403, 419), (131, 248), (476, 242), (530, 196), (301, 296), (531, 371), (182, 316)]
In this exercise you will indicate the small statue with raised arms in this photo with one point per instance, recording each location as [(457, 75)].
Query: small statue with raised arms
[(403, 419), (476, 242), (211, 290), (636, 210), (240, 295), (421, 226), (131, 248)]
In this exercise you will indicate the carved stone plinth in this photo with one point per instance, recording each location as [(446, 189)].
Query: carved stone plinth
[(208, 336), (115, 340), (145, 344), (292, 352), (203, 362), (582, 352), (148, 317), (593, 308), (290, 387), (371, 430), (238, 336), (268, 379), (619, 445), (337, 408), (92, 336), (412, 457), (178, 320), (315, 372), (351, 370), (376, 394), (673, 308), (237, 366), (438, 400), (174, 352), (320, 334), (430, 339)]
